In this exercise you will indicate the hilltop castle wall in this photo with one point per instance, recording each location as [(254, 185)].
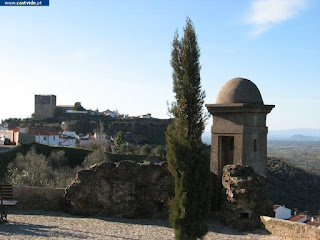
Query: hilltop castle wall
[(45, 106)]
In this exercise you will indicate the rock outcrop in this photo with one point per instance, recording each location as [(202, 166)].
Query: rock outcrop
[(244, 199), (124, 189)]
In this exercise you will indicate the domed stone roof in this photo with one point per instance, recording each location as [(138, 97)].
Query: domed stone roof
[(239, 90)]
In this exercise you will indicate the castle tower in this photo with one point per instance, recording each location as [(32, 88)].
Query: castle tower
[(239, 132), (45, 106)]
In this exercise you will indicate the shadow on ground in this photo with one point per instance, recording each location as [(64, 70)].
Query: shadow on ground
[(16, 228), (12, 228)]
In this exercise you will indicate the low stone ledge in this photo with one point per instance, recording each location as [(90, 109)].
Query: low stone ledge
[(40, 198), (290, 230)]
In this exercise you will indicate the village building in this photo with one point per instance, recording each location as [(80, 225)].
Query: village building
[(3, 128), (15, 136), (100, 137), (77, 111), (70, 134), (44, 136), (113, 114), (146, 116), (67, 141), (8, 136), (299, 218), (86, 140), (65, 107), (281, 212)]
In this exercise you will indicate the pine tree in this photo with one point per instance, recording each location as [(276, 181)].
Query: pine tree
[(119, 139), (119, 143), (190, 207)]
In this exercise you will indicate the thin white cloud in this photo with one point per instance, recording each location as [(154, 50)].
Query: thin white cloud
[(265, 13)]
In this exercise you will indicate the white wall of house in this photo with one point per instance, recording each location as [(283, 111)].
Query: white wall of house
[(7, 134), (282, 212), (67, 142), (112, 114), (70, 134), (52, 140), (84, 143), (100, 137), (147, 116), (302, 220)]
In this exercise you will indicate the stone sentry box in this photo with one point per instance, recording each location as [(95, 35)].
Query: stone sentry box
[(239, 132)]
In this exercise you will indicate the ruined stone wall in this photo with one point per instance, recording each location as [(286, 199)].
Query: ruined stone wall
[(40, 198), (25, 138), (243, 198), (124, 189)]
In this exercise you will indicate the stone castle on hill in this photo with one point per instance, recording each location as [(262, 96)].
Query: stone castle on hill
[(45, 106)]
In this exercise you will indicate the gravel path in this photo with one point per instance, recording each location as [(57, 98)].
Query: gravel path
[(56, 225)]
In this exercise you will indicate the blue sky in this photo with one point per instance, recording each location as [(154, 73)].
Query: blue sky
[(116, 54)]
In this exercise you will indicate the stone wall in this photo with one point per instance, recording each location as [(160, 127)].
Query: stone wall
[(25, 138), (45, 106), (290, 230), (39, 198), (243, 198), (124, 189)]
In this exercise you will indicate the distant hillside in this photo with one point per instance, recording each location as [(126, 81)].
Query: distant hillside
[(300, 137), (292, 186), (137, 130), (295, 135), (287, 135)]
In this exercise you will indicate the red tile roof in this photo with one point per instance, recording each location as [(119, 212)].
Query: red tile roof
[(297, 217), (314, 223), (276, 206), (37, 132), (14, 129)]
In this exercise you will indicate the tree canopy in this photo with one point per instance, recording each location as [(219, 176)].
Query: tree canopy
[(187, 162)]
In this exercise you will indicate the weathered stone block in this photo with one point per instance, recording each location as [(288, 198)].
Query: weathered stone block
[(290, 230), (244, 198), (123, 189)]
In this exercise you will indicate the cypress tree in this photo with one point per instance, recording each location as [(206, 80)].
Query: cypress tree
[(190, 207)]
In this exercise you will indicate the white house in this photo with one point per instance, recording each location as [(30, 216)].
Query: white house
[(67, 141), (110, 113), (70, 134), (100, 137), (77, 111), (282, 212), (148, 116), (44, 136), (86, 140)]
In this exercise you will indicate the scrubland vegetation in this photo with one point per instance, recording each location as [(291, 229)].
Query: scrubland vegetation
[(304, 155), (293, 186), (35, 169), (46, 166)]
